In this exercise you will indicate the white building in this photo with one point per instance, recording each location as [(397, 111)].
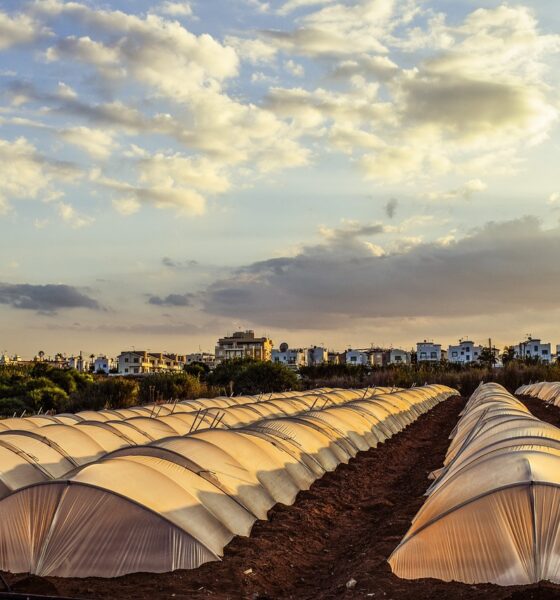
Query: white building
[(102, 364), (429, 352), (317, 356), (205, 358), (398, 357), (137, 362), (293, 358), (533, 348), (464, 353), (79, 363), (359, 357)]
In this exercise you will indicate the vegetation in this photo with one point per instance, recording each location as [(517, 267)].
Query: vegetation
[(463, 378), (248, 376), (41, 388)]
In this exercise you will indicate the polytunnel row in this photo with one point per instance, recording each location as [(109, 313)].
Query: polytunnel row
[(493, 512), (176, 503), (546, 390), (43, 449)]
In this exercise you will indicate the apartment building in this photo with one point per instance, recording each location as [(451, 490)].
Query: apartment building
[(429, 352), (534, 348), (137, 362), (205, 358), (464, 353), (293, 358), (395, 356), (243, 344)]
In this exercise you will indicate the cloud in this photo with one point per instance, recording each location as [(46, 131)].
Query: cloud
[(294, 68), (18, 29), (46, 299), (26, 174), (172, 300), (69, 215), (340, 282), (97, 143), (464, 192), (292, 5), (166, 261), (391, 207), (176, 9)]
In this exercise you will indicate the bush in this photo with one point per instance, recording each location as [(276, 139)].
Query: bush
[(169, 386), (106, 392), (247, 376)]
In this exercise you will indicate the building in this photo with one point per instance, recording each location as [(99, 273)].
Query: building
[(317, 356), (336, 358), (359, 357), (464, 353), (429, 352), (79, 363), (535, 349), (243, 344), (293, 358), (102, 364), (395, 356), (137, 362), (558, 352), (206, 358)]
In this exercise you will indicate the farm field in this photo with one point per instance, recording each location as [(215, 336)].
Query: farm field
[(343, 528)]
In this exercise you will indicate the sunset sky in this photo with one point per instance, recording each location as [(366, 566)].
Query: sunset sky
[(322, 171)]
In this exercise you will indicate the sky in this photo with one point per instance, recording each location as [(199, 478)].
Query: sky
[(337, 172)]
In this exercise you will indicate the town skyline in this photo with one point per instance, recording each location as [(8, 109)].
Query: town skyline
[(344, 172)]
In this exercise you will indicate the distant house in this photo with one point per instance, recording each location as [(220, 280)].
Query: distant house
[(534, 348), (429, 352), (317, 356), (359, 357), (205, 358), (103, 364), (394, 356), (293, 358), (137, 362), (243, 344), (464, 353)]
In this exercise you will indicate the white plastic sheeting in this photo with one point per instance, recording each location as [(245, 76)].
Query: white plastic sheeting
[(176, 502), (43, 447), (549, 391), (493, 511)]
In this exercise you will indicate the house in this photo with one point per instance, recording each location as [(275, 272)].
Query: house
[(464, 353), (535, 349), (359, 357), (137, 362), (395, 356), (243, 344), (293, 358), (102, 364), (429, 352), (205, 358), (317, 356)]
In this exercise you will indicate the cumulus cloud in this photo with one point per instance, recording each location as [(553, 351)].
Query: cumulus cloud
[(176, 9), (97, 143), (172, 300), (46, 299), (478, 274), (26, 174), (18, 29)]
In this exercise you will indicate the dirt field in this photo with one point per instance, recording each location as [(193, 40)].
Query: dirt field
[(344, 528)]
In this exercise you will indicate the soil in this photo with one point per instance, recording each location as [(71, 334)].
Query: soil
[(343, 528)]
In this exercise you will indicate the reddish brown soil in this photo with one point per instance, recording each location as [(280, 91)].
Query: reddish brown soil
[(344, 527)]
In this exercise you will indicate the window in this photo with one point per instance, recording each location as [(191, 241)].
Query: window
[(126, 359), (353, 358), (454, 353), (545, 352), (136, 360), (126, 370), (433, 354), (536, 348), (423, 355)]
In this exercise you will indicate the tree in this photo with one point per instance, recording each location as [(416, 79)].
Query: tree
[(487, 357), (169, 386), (508, 355), (264, 378)]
